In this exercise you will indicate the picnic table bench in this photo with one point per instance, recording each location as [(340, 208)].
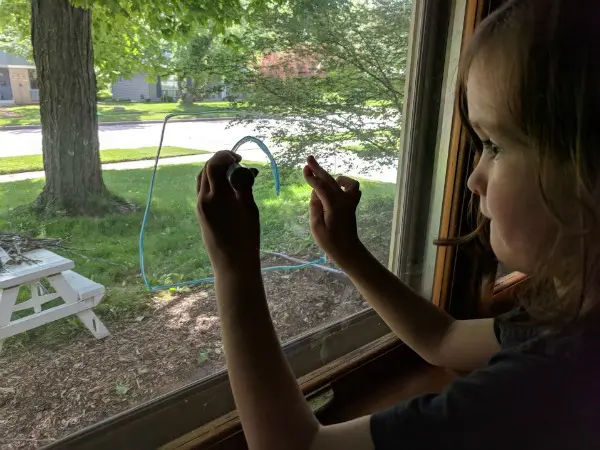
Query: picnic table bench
[(78, 293)]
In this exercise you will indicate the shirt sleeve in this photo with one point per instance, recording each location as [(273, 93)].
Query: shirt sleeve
[(514, 328), (489, 409)]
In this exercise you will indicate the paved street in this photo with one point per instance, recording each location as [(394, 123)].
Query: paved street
[(210, 135)]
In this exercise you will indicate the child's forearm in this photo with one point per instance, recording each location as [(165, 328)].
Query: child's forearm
[(418, 322), (272, 409)]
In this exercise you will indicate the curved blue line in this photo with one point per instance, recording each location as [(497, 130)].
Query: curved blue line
[(276, 176), (267, 152)]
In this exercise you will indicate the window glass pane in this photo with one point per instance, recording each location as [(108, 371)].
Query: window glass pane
[(33, 79), (322, 78)]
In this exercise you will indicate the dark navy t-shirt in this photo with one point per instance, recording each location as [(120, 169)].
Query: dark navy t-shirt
[(541, 391)]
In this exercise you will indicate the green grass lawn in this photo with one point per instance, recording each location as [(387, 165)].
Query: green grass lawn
[(173, 246), (30, 163), (30, 114)]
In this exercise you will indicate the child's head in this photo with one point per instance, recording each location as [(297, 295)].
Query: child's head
[(530, 96)]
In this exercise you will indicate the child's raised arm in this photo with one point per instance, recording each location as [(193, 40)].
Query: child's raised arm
[(272, 409), (427, 329)]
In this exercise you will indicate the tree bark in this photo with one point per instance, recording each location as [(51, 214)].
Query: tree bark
[(62, 48)]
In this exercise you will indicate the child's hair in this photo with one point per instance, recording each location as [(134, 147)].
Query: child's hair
[(546, 54)]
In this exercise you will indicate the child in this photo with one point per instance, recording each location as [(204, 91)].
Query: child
[(530, 95)]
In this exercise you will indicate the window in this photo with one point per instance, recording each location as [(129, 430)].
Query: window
[(164, 351), (33, 79)]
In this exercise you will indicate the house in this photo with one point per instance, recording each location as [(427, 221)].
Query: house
[(18, 81), (136, 89)]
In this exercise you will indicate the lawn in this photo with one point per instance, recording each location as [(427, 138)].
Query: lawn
[(30, 115), (346, 141), (107, 248), (30, 163)]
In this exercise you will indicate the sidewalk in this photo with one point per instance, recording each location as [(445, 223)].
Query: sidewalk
[(249, 154), (128, 122), (114, 166)]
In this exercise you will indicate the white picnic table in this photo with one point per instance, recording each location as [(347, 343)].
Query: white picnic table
[(78, 293)]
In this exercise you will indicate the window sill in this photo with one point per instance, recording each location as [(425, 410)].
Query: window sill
[(224, 430), (393, 374), (391, 371), (506, 285)]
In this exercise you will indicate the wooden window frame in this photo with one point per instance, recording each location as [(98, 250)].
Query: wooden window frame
[(354, 344), (506, 286)]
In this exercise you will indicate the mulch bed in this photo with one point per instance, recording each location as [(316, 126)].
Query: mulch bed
[(48, 392)]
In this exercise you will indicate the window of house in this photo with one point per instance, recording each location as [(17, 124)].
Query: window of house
[(360, 114), (33, 79)]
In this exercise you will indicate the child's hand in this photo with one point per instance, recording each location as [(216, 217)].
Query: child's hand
[(228, 218), (333, 212)]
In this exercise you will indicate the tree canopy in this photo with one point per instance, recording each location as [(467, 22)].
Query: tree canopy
[(135, 35), (332, 71), (76, 42)]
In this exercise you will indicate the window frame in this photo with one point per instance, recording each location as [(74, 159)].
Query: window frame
[(505, 286), (33, 79), (458, 274), (363, 336)]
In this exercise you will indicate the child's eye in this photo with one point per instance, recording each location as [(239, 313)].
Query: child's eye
[(492, 148)]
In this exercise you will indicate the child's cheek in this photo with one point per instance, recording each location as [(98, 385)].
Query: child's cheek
[(515, 212)]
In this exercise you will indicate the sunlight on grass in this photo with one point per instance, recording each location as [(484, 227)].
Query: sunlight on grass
[(30, 114)]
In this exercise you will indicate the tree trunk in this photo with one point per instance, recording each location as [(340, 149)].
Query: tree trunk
[(62, 48)]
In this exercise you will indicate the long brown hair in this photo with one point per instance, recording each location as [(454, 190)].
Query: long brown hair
[(548, 53)]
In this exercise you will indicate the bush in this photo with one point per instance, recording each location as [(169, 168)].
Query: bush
[(104, 94)]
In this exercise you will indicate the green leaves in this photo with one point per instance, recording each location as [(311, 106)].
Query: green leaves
[(132, 36), (327, 68), (14, 28)]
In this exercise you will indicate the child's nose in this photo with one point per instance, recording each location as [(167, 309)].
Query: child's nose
[(477, 182)]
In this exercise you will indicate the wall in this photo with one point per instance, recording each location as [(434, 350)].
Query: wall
[(15, 87), (135, 89), (19, 81)]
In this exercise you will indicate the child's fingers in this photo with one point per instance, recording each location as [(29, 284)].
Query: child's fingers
[(321, 173), (199, 182), (202, 185), (351, 188), (317, 214), (216, 170), (348, 184), (321, 188), (245, 196)]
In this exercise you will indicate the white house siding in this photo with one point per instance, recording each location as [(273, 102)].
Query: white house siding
[(15, 75), (135, 89)]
